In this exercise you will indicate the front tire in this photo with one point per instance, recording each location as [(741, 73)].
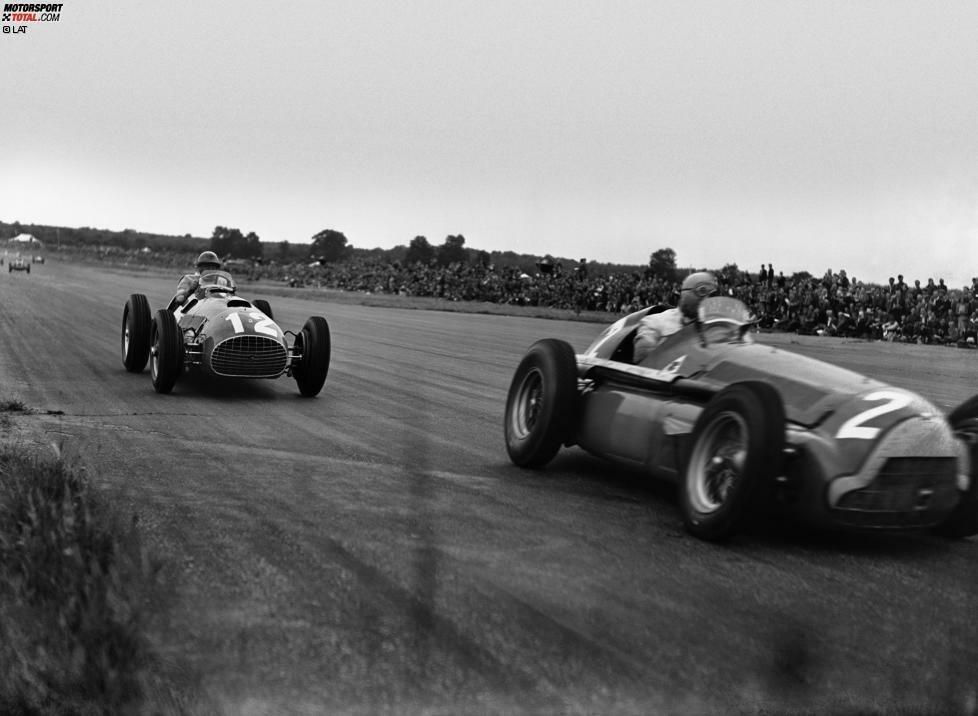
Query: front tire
[(963, 521), (166, 352), (136, 323), (262, 305), (315, 346), (735, 456), (541, 407)]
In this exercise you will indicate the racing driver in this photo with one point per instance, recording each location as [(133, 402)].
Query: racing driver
[(207, 261), (654, 328)]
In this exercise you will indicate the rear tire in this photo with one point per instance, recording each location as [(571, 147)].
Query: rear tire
[(736, 454), (541, 407), (262, 305), (136, 324), (315, 346), (166, 352), (963, 521)]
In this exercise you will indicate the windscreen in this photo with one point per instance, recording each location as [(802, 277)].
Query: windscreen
[(723, 320), (217, 279)]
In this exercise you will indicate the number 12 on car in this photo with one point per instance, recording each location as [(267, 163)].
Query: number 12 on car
[(262, 324)]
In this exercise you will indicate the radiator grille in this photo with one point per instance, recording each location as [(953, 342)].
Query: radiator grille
[(907, 492), (249, 357)]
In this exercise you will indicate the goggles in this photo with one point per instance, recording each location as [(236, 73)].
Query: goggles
[(702, 290)]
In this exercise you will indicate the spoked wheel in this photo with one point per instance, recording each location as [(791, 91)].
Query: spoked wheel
[(736, 454), (963, 521), (541, 405), (136, 323), (166, 351), (314, 347), (718, 462)]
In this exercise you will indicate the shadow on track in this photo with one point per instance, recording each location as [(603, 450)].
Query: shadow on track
[(574, 472), (223, 389)]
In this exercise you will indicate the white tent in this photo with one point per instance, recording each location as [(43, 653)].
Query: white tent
[(25, 239)]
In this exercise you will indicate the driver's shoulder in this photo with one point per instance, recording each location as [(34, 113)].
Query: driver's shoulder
[(668, 317)]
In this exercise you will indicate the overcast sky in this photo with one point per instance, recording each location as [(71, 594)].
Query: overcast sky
[(812, 135)]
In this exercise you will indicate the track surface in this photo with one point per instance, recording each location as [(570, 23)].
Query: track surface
[(372, 550)]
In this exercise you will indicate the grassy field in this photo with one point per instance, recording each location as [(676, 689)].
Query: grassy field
[(78, 591)]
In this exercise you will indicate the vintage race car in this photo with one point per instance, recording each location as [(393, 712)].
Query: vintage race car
[(746, 429), (222, 335), (19, 263)]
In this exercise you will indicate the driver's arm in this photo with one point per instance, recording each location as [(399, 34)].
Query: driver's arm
[(647, 337), (188, 284)]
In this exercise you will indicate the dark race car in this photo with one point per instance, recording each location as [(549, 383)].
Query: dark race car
[(19, 263), (745, 429), (222, 335)]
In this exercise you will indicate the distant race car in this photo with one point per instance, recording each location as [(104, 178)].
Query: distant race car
[(19, 263), (222, 335), (39, 259), (746, 429)]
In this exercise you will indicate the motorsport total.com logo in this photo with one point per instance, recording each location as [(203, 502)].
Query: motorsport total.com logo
[(20, 13)]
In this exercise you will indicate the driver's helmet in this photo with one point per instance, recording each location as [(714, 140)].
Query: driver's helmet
[(695, 288), (208, 260)]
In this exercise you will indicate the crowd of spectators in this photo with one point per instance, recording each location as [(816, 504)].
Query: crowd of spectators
[(837, 305), (833, 304)]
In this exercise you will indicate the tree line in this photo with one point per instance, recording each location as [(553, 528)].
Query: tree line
[(326, 246)]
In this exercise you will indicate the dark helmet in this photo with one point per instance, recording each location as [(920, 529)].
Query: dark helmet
[(208, 259)]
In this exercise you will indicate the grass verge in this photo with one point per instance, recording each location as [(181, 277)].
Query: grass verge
[(77, 590), (11, 405)]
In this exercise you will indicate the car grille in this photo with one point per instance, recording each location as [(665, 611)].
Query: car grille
[(907, 492), (249, 357)]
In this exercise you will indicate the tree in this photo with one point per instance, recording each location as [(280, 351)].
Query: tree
[(419, 251), (252, 247), (328, 246), (232, 244), (662, 263), (730, 272), (452, 251)]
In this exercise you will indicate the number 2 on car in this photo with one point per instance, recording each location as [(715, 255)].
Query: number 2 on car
[(262, 324), (854, 427)]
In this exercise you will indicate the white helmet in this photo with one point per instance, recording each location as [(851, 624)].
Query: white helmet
[(695, 288)]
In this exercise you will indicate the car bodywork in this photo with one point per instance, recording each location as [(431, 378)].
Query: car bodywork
[(227, 336), (18, 263), (222, 335), (856, 453)]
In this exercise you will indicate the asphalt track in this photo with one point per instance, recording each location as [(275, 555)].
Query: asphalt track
[(372, 550)]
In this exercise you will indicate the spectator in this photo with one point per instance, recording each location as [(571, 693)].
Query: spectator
[(891, 329), (963, 312)]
